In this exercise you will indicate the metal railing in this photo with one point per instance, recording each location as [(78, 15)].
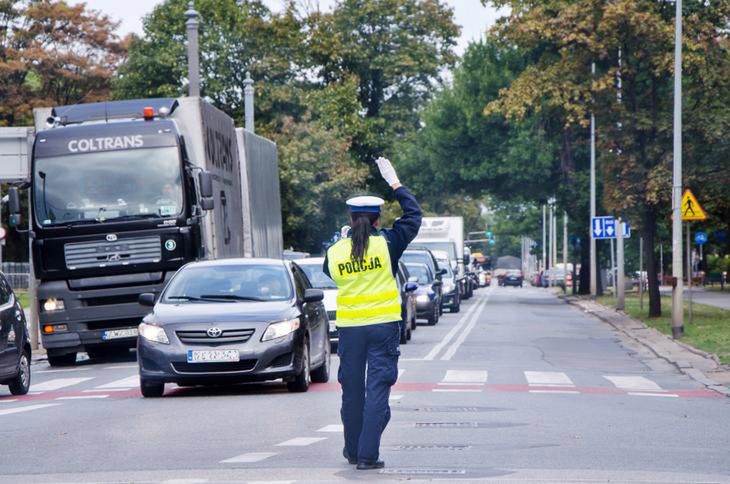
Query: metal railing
[(17, 274)]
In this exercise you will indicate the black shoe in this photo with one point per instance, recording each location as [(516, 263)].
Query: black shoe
[(346, 455), (365, 466)]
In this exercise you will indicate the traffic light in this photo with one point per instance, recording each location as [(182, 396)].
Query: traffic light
[(488, 233)]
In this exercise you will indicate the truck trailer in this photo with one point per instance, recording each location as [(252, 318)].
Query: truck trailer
[(124, 193)]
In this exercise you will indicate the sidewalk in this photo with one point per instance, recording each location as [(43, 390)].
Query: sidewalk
[(702, 367), (699, 295)]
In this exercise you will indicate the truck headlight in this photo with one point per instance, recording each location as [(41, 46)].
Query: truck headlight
[(154, 333), (280, 329), (53, 304)]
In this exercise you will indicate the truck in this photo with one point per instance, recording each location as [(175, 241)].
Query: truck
[(124, 193), (447, 234)]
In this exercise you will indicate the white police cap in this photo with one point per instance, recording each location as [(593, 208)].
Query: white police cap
[(365, 204)]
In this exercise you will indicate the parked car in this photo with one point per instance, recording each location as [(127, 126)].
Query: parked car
[(14, 342), (232, 321), (407, 291), (312, 268), (513, 277), (428, 294), (423, 255)]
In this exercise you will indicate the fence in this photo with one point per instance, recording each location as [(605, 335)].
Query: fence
[(17, 274)]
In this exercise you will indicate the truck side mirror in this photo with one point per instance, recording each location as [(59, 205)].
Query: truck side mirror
[(206, 184), (14, 207), (207, 203)]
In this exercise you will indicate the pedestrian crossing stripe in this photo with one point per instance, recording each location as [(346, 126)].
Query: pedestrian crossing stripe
[(691, 208)]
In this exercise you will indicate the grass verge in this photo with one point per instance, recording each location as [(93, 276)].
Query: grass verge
[(709, 331), (23, 298)]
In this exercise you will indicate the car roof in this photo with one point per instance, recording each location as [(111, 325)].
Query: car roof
[(310, 261), (236, 261)]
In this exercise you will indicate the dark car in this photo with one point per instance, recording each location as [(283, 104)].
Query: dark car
[(232, 321), (14, 342), (422, 255), (450, 290), (428, 296), (513, 277), (407, 291)]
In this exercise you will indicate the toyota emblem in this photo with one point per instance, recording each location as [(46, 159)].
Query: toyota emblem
[(111, 237), (214, 332)]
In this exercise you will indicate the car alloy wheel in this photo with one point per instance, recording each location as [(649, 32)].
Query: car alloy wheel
[(21, 383)]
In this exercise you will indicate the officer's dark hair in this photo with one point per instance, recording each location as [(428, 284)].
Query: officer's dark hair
[(362, 223)]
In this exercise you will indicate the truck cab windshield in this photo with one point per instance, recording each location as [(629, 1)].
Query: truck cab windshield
[(108, 186)]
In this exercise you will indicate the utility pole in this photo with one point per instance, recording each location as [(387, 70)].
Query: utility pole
[(565, 252), (620, 285), (641, 273), (677, 303), (613, 268), (544, 241), (594, 259), (690, 272), (551, 261), (191, 26)]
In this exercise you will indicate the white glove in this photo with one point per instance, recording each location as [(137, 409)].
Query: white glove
[(387, 171)]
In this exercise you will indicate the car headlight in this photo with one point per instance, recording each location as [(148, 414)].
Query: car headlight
[(154, 333), (53, 304), (280, 329), (422, 298)]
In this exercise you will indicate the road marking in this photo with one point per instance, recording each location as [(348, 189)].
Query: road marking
[(185, 481), (395, 397), (634, 383), (62, 371), (82, 397), (464, 377), (457, 390), (441, 344), (118, 367), (29, 408), (332, 428), (548, 379), (645, 394), (11, 400), (129, 382), (249, 457), (57, 384), (567, 392), (300, 441), (462, 336), (270, 482)]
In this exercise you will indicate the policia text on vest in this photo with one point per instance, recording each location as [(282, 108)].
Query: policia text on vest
[(353, 267)]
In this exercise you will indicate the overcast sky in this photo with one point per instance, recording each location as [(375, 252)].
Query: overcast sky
[(470, 14)]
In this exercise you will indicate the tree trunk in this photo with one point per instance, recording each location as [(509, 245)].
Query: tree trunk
[(649, 233), (585, 266)]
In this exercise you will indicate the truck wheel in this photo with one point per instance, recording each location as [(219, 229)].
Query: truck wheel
[(322, 374), (21, 383), (151, 389), (68, 359), (301, 381)]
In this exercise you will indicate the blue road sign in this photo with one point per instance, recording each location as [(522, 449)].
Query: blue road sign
[(700, 238), (605, 228)]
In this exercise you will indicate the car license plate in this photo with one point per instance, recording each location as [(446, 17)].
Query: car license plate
[(119, 333), (208, 356)]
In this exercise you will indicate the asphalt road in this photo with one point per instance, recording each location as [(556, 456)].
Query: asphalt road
[(518, 387)]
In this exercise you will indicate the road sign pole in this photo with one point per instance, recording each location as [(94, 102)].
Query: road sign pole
[(677, 309), (613, 269), (689, 275), (620, 266), (641, 273), (544, 241), (565, 252)]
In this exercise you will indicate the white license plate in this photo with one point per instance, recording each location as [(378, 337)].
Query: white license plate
[(207, 356), (119, 333)]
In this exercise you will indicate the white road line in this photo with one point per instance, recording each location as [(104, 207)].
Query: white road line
[(62, 371), (568, 392), (185, 481), (249, 457), (129, 382), (437, 349), (300, 441), (8, 401), (29, 408), (270, 482), (461, 377), (395, 397), (332, 428), (457, 390), (548, 379), (82, 397), (462, 336), (634, 383), (645, 394), (119, 367), (57, 384)]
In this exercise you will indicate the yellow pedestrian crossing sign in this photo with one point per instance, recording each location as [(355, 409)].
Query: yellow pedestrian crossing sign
[(691, 208)]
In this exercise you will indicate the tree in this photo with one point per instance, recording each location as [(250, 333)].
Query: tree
[(634, 115)]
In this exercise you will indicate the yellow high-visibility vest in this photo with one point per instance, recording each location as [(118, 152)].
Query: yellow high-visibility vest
[(366, 290)]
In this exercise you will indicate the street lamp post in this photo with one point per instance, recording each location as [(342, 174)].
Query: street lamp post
[(677, 289)]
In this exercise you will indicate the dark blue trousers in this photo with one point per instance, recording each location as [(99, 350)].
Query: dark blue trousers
[(368, 368)]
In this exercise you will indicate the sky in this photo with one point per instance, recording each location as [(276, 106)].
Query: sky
[(469, 14)]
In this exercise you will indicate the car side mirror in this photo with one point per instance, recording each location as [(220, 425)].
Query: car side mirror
[(147, 299), (411, 286), (441, 272), (313, 295), (14, 218)]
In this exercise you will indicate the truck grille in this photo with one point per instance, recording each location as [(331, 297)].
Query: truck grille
[(227, 337), (122, 252)]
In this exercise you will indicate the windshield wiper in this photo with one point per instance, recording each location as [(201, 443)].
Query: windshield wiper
[(84, 221), (230, 297), (184, 298), (138, 216)]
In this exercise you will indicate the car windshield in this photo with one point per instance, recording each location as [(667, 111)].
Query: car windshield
[(420, 272), (233, 283), (103, 186), (417, 256), (317, 277)]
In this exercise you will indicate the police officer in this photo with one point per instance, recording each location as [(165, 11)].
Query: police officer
[(363, 265)]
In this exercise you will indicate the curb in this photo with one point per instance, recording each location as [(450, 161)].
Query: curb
[(683, 365)]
